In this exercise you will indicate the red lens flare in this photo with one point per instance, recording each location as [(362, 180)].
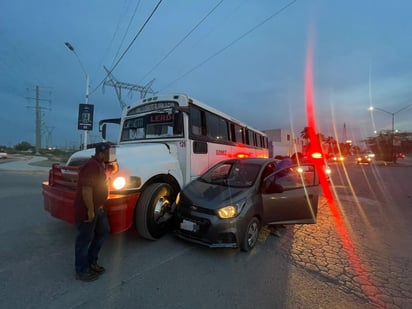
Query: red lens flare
[(315, 146)]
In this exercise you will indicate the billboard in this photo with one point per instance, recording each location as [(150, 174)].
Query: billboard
[(85, 119)]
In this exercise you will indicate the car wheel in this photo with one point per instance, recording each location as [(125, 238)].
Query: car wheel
[(153, 214), (251, 235)]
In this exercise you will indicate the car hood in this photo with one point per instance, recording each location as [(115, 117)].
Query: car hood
[(211, 196)]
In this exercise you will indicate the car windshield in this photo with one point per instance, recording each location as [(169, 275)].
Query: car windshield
[(233, 174)]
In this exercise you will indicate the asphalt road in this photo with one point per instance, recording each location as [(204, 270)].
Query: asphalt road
[(356, 256)]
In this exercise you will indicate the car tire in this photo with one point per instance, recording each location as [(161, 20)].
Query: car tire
[(251, 235), (153, 215)]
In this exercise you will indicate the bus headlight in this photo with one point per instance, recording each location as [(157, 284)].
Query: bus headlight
[(121, 183)]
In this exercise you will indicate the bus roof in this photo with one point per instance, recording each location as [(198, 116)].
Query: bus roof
[(165, 97)]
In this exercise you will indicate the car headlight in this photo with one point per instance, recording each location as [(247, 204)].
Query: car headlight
[(122, 183), (231, 211), (177, 201)]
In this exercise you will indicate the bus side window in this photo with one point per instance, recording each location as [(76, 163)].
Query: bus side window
[(195, 130), (197, 121)]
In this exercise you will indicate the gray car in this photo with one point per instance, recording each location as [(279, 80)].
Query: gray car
[(228, 204)]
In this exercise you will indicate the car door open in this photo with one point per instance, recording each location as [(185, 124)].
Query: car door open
[(290, 195)]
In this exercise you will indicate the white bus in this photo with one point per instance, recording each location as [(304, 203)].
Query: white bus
[(164, 142)]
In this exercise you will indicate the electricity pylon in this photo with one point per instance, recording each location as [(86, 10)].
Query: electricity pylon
[(118, 86)]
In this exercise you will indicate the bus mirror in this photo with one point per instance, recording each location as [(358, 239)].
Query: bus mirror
[(103, 130), (184, 109)]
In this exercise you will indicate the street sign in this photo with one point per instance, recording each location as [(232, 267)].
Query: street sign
[(85, 120)]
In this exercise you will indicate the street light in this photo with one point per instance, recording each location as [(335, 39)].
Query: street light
[(86, 101), (371, 108)]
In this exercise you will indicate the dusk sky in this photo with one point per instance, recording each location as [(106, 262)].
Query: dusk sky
[(246, 58)]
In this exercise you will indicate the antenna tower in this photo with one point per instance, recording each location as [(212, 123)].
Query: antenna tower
[(344, 136)]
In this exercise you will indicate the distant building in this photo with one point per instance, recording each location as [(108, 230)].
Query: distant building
[(282, 142)]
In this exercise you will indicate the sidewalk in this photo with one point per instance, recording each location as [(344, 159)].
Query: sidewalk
[(400, 162), (26, 164)]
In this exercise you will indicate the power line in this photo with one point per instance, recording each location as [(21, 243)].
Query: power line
[(231, 43), (130, 45), (116, 30), (183, 39), (127, 30)]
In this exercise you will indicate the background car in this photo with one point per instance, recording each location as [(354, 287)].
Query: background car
[(3, 155), (338, 158), (364, 159), (400, 155), (228, 205)]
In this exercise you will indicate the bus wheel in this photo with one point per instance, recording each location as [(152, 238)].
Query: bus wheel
[(153, 214)]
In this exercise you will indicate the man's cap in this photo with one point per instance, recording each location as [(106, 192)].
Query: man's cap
[(101, 147)]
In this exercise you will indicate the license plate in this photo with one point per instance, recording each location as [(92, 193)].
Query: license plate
[(188, 226)]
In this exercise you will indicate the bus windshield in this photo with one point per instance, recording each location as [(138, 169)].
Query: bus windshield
[(153, 126)]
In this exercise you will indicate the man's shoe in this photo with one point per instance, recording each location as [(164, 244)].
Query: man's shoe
[(96, 268), (87, 276)]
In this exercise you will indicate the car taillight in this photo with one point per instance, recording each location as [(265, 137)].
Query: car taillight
[(316, 155), (242, 155)]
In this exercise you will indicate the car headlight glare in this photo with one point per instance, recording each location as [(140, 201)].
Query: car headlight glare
[(227, 212), (177, 201), (231, 211)]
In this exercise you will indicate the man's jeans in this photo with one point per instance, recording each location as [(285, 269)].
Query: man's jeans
[(89, 240)]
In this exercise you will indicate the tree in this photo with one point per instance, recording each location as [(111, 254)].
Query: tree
[(382, 144), (356, 149), (305, 134), (332, 145), (23, 146)]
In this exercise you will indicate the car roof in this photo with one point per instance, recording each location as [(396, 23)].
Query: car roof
[(258, 161)]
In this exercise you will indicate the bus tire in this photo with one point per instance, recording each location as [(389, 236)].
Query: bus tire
[(153, 214)]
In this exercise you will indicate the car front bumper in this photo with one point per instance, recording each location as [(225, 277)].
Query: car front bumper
[(209, 230)]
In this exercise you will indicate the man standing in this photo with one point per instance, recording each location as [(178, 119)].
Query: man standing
[(91, 218)]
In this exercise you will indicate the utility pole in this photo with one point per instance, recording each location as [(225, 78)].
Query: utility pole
[(86, 109), (371, 108), (38, 115)]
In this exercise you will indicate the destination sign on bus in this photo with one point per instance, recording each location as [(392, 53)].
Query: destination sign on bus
[(161, 118), (152, 107)]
